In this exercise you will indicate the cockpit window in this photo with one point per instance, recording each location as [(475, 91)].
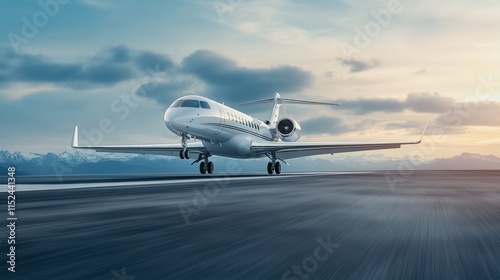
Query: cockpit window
[(177, 103), (191, 103), (204, 105)]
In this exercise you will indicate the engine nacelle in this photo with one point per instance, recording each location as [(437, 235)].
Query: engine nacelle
[(288, 130)]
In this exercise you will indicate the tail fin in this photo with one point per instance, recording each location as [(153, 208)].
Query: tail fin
[(277, 100)]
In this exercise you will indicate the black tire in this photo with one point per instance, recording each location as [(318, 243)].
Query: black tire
[(181, 154), (270, 168), (210, 167), (203, 168), (277, 168), (187, 154)]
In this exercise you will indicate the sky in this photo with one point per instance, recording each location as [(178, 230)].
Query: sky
[(113, 67)]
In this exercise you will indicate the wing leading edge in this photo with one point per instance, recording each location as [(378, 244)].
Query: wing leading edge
[(153, 149), (288, 150)]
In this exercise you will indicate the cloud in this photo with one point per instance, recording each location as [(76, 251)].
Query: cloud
[(321, 125), (405, 125), (116, 54), (226, 81), (433, 128), (422, 102), (358, 65), (166, 92), (455, 115), (363, 106), (332, 125), (471, 114), (420, 72), (425, 102), (215, 76), (159, 62), (108, 67)]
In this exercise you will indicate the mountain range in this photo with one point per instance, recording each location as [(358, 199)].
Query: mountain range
[(103, 163)]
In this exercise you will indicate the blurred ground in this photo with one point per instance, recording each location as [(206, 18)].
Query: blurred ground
[(430, 225)]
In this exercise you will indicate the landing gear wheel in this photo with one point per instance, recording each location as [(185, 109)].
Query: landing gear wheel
[(270, 168), (277, 168), (203, 167), (187, 154), (210, 167), (181, 154)]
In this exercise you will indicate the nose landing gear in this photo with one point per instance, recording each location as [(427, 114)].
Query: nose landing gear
[(184, 153)]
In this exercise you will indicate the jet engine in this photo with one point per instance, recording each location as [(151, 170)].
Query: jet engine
[(288, 130)]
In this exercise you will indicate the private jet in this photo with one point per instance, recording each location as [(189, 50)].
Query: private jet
[(219, 130)]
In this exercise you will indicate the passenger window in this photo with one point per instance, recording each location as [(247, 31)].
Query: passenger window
[(191, 103), (204, 105)]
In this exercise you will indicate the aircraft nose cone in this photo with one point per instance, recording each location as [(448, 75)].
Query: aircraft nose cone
[(170, 118), (175, 119), (169, 115)]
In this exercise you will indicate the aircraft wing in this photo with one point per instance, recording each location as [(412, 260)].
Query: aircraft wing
[(288, 150), (153, 149)]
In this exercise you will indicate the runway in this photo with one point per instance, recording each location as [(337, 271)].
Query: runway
[(424, 225)]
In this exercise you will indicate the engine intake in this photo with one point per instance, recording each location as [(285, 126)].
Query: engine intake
[(289, 130)]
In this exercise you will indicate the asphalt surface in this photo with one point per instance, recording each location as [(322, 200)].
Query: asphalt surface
[(426, 225)]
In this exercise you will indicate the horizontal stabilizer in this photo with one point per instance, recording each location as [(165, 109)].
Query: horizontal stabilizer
[(281, 100)]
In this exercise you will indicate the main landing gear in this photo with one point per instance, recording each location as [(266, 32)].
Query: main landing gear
[(273, 166), (205, 165)]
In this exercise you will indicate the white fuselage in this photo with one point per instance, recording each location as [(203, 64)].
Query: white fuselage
[(223, 130)]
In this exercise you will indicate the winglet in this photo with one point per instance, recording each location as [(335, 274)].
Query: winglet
[(74, 142), (423, 132)]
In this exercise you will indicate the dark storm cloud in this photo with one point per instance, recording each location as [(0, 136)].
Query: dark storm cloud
[(28, 68), (217, 77), (358, 65), (166, 92), (226, 81), (156, 62), (108, 67), (118, 54)]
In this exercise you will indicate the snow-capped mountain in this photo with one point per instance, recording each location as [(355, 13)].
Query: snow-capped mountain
[(104, 163), (465, 161)]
